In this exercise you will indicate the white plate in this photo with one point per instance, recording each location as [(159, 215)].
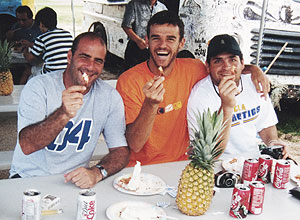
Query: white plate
[(157, 185), (234, 165), (295, 171), (114, 211)]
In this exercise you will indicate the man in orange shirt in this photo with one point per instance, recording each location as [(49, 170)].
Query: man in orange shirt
[(155, 94)]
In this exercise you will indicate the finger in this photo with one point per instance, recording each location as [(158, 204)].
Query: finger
[(74, 89)]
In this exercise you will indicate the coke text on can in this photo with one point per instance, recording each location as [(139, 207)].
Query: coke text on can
[(281, 174), (240, 201), (257, 192), (31, 205), (264, 168), (250, 170), (86, 206)]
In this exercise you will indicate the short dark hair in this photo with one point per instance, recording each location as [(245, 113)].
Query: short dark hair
[(48, 17), (24, 9), (166, 17), (90, 35)]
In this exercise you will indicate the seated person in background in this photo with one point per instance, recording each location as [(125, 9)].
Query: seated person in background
[(246, 113), (62, 114), (52, 46), (155, 105), (25, 30)]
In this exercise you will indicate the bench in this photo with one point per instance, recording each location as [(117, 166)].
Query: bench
[(6, 156)]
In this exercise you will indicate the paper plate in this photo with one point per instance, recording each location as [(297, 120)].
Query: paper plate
[(114, 211), (151, 185), (234, 165)]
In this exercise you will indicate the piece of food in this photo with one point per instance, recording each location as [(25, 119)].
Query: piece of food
[(85, 77), (297, 177), (161, 71), (6, 79), (195, 189)]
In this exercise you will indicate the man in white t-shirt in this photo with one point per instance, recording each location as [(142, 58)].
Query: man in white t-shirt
[(246, 113)]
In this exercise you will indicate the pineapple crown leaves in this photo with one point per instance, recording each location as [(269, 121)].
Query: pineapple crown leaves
[(204, 148), (5, 55)]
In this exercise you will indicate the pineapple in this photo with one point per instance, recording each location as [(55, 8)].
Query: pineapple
[(195, 189), (6, 79)]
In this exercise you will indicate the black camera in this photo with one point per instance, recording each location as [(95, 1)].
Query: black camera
[(273, 151), (226, 179)]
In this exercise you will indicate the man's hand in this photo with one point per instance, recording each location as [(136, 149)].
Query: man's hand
[(260, 80), (285, 151), (72, 100), (228, 90), (26, 43), (84, 177), (141, 43), (154, 90)]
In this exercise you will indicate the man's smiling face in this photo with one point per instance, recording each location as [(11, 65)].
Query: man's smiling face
[(164, 43)]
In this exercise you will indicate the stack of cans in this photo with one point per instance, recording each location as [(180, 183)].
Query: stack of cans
[(249, 196)]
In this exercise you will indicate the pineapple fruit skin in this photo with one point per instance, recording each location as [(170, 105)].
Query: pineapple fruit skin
[(6, 83), (195, 190)]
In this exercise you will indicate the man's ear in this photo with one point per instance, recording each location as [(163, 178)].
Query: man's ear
[(69, 56), (181, 43)]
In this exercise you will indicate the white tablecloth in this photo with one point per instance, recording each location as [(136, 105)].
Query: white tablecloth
[(278, 205)]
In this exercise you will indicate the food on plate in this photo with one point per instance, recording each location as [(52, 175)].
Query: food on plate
[(234, 160), (195, 190), (138, 213), (133, 182), (297, 177)]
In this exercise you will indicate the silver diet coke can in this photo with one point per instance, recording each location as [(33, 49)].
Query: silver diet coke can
[(31, 205), (281, 174), (86, 205)]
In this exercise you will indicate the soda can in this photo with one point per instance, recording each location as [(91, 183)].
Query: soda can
[(257, 192), (86, 205), (31, 205), (240, 201), (281, 174), (264, 168), (250, 170)]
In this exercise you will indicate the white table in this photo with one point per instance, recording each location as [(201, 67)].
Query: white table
[(10, 103), (17, 57), (278, 204)]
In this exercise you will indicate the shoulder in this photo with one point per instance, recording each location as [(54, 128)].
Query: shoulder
[(202, 87)]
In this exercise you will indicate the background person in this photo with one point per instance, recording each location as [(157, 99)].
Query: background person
[(52, 46), (244, 110), (155, 106), (135, 20), (61, 116)]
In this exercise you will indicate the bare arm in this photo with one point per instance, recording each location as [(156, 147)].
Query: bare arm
[(138, 132), (270, 138), (35, 137), (133, 36), (29, 56), (228, 91), (114, 161), (260, 80)]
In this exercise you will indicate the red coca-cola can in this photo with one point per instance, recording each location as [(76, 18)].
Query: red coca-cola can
[(257, 191), (250, 170), (240, 201), (86, 205), (281, 174), (264, 168)]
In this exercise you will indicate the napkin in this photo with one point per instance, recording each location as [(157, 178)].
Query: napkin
[(135, 181), (133, 213)]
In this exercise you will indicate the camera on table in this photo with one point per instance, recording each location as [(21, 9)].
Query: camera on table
[(273, 151), (226, 179)]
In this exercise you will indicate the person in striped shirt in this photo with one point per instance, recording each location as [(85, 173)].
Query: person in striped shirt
[(52, 45)]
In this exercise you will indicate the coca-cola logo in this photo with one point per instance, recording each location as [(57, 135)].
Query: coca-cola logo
[(263, 169), (278, 177), (236, 198)]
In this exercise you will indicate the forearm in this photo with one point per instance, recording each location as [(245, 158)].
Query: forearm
[(227, 119), (37, 136), (29, 56), (131, 34), (138, 132), (269, 134), (115, 160)]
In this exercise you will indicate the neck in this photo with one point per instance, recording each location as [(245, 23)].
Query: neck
[(152, 2)]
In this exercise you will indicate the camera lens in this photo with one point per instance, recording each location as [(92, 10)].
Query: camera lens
[(229, 182)]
